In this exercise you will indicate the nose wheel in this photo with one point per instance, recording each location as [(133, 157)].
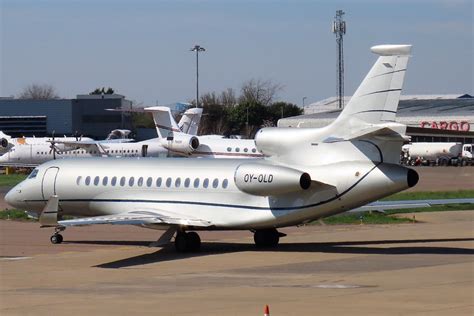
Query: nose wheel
[(56, 238)]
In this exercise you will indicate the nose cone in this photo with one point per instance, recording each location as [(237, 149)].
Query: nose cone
[(13, 197)]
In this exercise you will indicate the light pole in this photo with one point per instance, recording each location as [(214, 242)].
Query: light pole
[(197, 49), (304, 98)]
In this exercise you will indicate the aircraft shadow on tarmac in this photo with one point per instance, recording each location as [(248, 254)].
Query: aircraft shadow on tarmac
[(168, 253)]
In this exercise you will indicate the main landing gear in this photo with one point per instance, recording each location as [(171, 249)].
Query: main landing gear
[(187, 242), (267, 238), (57, 238)]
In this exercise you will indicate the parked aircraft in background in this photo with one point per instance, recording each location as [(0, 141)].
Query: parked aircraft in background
[(189, 145), (307, 174)]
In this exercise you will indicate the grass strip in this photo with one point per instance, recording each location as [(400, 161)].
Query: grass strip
[(430, 195), (11, 179)]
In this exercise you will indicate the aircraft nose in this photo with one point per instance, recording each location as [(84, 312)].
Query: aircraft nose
[(13, 196)]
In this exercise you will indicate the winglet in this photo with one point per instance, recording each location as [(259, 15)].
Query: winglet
[(49, 215)]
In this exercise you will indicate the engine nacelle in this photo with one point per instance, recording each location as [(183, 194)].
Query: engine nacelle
[(181, 143), (4, 143), (269, 180)]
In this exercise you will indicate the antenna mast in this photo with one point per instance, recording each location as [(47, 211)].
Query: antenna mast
[(339, 28)]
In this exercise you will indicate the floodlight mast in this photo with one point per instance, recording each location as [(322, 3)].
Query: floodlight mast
[(197, 49), (339, 28)]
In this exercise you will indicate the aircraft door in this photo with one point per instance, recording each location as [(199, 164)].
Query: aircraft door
[(144, 150), (48, 185)]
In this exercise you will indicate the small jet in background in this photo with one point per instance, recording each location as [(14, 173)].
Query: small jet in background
[(177, 141)]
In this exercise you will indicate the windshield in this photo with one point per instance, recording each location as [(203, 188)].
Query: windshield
[(33, 174)]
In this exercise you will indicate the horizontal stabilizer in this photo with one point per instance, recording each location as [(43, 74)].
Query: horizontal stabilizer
[(385, 132)]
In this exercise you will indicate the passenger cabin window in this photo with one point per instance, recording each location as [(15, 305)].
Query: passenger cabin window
[(114, 181), (215, 183), (88, 180), (177, 183), (246, 149), (131, 181), (149, 182), (158, 182), (196, 183), (254, 150), (168, 182), (96, 181), (78, 180), (237, 149), (229, 149), (187, 182), (225, 184), (205, 183), (122, 181), (33, 174), (105, 180), (140, 181)]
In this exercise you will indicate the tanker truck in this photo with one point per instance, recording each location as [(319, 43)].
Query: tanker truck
[(440, 154)]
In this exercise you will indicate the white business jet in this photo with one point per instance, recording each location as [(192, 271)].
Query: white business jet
[(33, 151), (307, 174), (179, 141)]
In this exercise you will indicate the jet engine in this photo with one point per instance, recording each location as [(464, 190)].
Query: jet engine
[(181, 143), (268, 180), (4, 143)]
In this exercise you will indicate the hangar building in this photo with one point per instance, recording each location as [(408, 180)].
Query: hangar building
[(86, 115), (429, 118)]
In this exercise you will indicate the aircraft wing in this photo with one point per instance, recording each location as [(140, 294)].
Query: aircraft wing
[(85, 144), (49, 216), (403, 204), (136, 218)]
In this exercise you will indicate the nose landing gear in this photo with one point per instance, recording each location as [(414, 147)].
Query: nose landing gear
[(57, 238)]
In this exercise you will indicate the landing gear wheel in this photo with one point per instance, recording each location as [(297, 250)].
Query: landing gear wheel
[(266, 238), (193, 241), (56, 239), (187, 242), (180, 242)]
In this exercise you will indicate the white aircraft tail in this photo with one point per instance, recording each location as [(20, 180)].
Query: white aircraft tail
[(190, 120), (164, 121), (376, 99)]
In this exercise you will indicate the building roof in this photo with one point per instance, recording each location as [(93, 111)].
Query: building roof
[(408, 103)]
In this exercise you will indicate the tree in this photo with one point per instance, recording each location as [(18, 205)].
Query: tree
[(102, 91), (278, 110), (215, 118), (258, 91), (38, 92)]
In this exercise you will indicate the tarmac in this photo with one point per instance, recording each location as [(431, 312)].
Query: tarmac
[(425, 268)]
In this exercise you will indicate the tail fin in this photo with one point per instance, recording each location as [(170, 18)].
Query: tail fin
[(376, 99), (164, 121), (190, 120)]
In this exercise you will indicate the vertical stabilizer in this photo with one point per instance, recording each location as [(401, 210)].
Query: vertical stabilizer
[(376, 99), (164, 121), (190, 120)]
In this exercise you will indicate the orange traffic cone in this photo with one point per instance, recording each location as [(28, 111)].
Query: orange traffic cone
[(266, 311)]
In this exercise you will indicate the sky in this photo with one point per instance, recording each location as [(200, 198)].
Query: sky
[(141, 48)]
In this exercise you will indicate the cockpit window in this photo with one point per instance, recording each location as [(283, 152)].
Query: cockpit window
[(33, 174)]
